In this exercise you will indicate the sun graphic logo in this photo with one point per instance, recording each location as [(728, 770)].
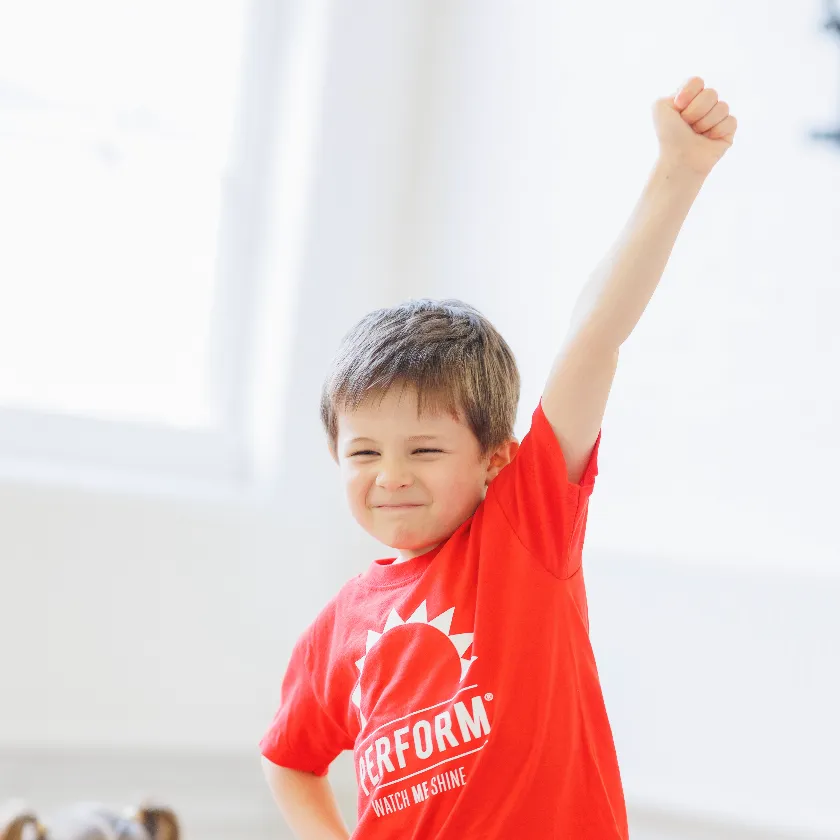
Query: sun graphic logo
[(411, 664)]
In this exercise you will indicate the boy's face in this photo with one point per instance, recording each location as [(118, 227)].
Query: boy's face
[(411, 481)]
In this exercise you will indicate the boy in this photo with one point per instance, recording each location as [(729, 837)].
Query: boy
[(460, 672)]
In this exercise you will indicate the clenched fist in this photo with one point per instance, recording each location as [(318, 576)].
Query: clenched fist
[(694, 127)]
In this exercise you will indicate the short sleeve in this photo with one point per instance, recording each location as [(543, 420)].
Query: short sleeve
[(547, 512), (302, 735)]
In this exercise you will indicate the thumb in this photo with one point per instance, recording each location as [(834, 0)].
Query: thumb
[(665, 103)]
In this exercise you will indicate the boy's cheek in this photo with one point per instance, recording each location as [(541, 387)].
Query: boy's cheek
[(357, 493)]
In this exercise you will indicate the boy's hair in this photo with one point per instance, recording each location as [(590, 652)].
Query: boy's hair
[(446, 350)]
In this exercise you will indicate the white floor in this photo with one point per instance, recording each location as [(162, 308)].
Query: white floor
[(224, 797)]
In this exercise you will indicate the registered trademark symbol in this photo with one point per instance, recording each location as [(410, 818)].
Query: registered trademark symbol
[(488, 697)]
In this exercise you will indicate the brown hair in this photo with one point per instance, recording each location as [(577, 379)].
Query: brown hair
[(89, 822), (445, 349)]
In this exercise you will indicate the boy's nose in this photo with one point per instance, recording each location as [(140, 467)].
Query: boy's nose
[(393, 478)]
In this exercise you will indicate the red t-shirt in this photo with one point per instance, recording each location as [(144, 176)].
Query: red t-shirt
[(464, 680)]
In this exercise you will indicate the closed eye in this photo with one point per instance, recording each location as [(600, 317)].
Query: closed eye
[(415, 452)]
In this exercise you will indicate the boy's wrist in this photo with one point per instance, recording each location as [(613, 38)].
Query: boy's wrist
[(671, 167)]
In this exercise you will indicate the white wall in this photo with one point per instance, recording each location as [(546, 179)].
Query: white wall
[(492, 151)]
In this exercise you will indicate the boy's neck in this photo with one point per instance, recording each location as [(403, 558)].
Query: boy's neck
[(410, 554)]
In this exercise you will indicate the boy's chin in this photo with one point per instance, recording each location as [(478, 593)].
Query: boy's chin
[(417, 540), (409, 542)]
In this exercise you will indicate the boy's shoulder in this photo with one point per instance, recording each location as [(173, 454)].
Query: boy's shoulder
[(337, 609)]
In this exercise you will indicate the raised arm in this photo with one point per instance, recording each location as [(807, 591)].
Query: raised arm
[(694, 129)]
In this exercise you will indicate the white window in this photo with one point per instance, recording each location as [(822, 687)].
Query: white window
[(135, 143)]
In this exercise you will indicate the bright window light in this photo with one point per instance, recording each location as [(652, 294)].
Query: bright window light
[(116, 119)]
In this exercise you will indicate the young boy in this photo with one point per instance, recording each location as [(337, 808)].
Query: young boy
[(460, 672)]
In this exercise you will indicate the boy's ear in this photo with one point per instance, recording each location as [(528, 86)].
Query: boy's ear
[(160, 822), (501, 458), (17, 822)]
